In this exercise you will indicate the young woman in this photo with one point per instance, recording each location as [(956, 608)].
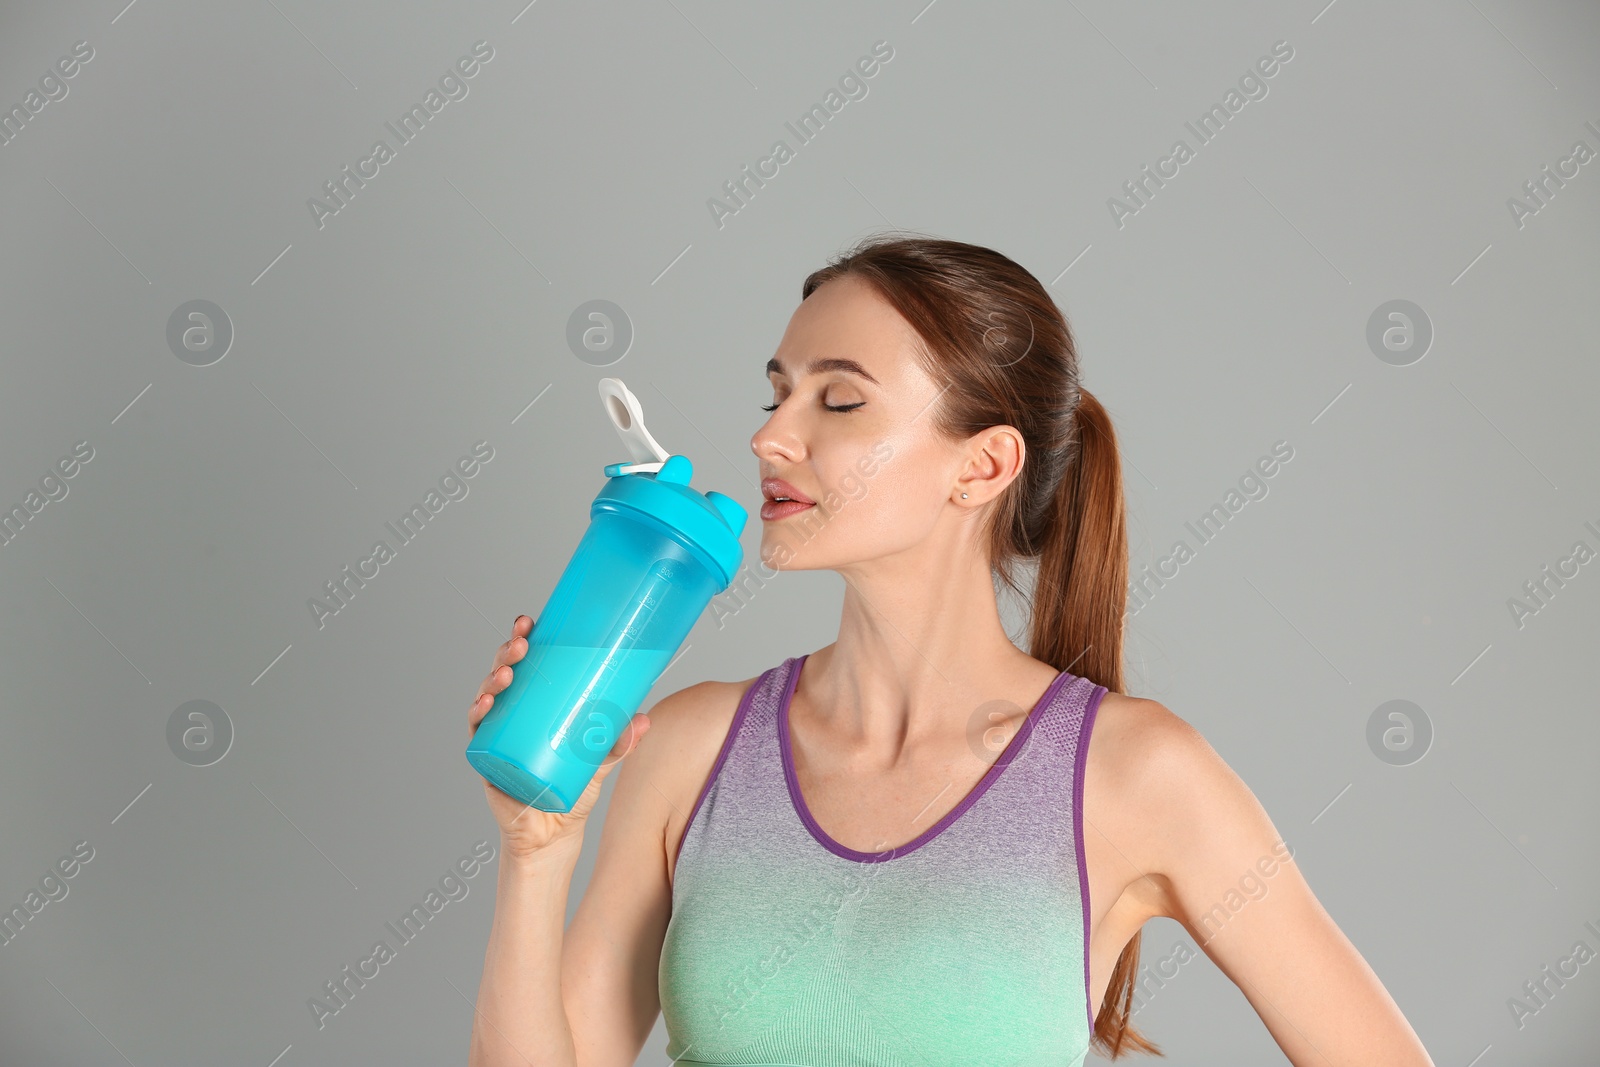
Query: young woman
[(918, 845)]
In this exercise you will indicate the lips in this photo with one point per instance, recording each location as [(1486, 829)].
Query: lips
[(782, 500), (775, 488)]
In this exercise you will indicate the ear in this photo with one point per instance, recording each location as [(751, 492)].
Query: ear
[(994, 459)]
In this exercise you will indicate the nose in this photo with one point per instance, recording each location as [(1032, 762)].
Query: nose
[(775, 443)]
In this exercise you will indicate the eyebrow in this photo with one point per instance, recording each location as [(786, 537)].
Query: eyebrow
[(817, 366)]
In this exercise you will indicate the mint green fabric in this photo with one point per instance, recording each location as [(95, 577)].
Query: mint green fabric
[(964, 945)]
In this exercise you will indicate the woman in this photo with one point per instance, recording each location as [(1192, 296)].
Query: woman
[(896, 849)]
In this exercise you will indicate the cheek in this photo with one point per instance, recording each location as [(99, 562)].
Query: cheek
[(909, 476), (894, 506)]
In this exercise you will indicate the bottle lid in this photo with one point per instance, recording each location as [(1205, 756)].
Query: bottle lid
[(628, 417), (656, 485)]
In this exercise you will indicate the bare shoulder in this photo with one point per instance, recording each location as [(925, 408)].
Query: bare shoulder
[(1136, 739), (687, 729), (684, 723), (1172, 803)]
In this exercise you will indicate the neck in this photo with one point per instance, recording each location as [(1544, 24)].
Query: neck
[(921, 645)]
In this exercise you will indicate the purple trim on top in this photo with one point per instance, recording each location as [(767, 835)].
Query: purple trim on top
[(988, 779), (1079, 764), (722, 757)]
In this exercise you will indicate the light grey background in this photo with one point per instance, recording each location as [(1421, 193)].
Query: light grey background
[(370, 354)]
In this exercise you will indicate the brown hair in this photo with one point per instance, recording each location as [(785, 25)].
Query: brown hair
[(1005, 354)]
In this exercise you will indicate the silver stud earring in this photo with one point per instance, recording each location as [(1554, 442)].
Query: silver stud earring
[(963, 496)]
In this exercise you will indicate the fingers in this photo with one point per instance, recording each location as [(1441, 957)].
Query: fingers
[(521, 627), (478, 709), (498, 679), (500, 675), (510, 652), (514, 649), (494, 684)]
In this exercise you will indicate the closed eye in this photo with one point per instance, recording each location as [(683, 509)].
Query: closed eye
[(840, 408)]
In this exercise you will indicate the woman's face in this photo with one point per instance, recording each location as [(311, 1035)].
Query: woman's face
[(880, 477)]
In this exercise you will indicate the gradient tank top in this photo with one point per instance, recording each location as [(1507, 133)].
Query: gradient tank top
[(966, 944)]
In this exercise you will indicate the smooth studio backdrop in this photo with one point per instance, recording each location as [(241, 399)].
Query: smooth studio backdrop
[(241, 343)]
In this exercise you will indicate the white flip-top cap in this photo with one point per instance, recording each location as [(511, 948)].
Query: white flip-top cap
[(623, 409)]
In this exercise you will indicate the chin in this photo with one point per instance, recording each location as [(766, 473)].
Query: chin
[(778, 553)]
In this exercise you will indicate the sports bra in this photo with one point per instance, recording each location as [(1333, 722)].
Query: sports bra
[(966, 944)]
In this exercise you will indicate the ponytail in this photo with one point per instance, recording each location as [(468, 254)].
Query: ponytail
[(1081, 590), (1080, 600)]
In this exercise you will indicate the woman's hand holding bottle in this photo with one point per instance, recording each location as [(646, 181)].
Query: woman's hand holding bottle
[(524, 830)]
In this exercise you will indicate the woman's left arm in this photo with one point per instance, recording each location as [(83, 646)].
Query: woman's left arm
[(1227, 876)]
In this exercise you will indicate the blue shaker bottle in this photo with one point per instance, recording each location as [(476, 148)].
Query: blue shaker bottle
[(655, 553)]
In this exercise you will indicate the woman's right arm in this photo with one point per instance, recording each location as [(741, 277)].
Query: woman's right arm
[(583, 996), (520, 1018)]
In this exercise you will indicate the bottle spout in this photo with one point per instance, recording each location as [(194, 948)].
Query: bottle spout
[(623, 409)]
